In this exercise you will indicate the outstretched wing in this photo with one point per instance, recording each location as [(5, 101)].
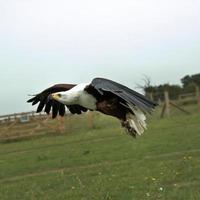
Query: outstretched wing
[(44, 100), (127, 96)]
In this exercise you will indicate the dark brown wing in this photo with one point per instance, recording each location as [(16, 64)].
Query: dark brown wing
[(76, 109), (125, 94), (44, 100)]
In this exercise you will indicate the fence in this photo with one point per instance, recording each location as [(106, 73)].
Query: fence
[(27, 124), (22, 117), (183, 99)]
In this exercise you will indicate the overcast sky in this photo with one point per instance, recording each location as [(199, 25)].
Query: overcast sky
[(43, 42)]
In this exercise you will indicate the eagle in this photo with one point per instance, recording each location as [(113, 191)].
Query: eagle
[(103, 95)]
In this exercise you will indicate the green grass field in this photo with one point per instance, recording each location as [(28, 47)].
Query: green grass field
[(106, 164)]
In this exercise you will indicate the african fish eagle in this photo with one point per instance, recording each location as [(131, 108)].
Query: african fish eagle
[(103, 95)]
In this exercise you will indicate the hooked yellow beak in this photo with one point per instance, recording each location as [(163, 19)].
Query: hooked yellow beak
[(56, 96)]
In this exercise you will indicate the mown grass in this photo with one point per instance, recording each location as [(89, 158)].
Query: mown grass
[(104, 163)]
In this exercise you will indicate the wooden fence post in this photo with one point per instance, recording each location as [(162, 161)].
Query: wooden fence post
[(15, 116), (198, 96), (167, 103), (61, 124), (90, 119), (150, 95)]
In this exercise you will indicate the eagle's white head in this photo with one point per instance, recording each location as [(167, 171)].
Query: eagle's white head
[(64, 97)]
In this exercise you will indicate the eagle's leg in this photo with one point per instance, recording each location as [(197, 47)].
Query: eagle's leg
[(130, 130), (113, 108)]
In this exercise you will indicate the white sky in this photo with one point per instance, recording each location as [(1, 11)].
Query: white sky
[(43, 42)]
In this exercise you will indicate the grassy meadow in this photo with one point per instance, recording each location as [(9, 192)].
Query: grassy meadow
[(104, 163)]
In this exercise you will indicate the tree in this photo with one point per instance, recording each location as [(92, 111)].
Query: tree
[(174, 91), (191, 80), (147, 87), (157, 92)]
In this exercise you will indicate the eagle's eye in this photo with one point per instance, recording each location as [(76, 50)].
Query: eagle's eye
[(59, 95)]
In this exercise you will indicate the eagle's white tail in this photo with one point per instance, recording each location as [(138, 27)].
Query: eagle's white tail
[(135, 123)]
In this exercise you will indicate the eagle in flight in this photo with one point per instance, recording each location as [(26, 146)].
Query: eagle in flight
[(103, 95)]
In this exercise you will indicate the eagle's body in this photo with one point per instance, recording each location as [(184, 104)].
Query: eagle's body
[(102, 95), (78, 96)]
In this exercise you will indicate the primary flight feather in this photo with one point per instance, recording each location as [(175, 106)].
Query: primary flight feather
[(103, 95)]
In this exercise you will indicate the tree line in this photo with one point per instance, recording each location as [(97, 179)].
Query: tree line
[(156, 92)]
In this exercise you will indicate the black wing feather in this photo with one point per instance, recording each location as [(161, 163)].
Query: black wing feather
[(71, 109), (35, 101), (77, 109), (41, 106), (55, 109), (62, 110), (124, 93), (48, 106), (45, 101)]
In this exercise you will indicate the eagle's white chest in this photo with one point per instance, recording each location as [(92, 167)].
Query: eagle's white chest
[(77, 95)]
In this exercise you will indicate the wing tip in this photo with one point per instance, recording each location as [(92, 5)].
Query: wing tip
[(30, 100)]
